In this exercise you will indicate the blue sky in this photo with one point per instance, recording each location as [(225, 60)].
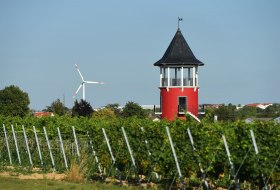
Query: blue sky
[(118, 41)]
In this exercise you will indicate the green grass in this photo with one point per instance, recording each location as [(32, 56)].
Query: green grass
[(11, 183)]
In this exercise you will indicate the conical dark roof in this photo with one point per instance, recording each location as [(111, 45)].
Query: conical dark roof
[(178, 53)]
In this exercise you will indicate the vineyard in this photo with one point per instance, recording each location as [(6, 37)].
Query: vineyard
[(174, 154)]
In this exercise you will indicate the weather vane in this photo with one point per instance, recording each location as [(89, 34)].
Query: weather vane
[(179, 19)]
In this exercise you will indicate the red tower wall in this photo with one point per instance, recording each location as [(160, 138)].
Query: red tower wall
[(169, 102)]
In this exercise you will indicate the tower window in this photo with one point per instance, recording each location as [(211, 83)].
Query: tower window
[(182, 104)]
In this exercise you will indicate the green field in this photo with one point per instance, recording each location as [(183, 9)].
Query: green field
[(11, 183)]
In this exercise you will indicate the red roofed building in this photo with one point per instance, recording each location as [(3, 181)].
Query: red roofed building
[(260, 105), (43, 114)]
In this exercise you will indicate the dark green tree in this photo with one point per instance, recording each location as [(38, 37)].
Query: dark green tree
[(133, 109), (82, 108), (57, 107), (14, 102)]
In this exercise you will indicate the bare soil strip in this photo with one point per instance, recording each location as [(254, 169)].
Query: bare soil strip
[(52, 176)]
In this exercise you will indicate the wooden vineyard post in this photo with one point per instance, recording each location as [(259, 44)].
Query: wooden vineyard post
[(49, 147), (27, 146), (231, 164), (146, 142), (199, 164), (257, 152), (76, 142), (130, 151), (109, 146), (175, 157), (149, 155), (7, 144), (128, 147), (94, 154), (15, 140), (62, 148), (38, 146), (111, 153)]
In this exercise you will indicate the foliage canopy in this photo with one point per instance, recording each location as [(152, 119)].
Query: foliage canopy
[(133, 109), (115, 108), (82, 108), (14, 102), (57, 107)]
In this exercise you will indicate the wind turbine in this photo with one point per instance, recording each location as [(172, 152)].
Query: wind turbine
[(83, 84)]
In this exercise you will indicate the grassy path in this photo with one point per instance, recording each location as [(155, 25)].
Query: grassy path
[(11, 183)]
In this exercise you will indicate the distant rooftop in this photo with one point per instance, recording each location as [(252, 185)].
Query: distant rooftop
[(43, 114), (260, 105)]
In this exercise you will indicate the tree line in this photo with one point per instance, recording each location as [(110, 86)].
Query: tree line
[(231, 113), (15, 102)]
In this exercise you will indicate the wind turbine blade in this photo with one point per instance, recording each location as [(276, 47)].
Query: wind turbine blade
[(79, 72), (77, 90), (94, 82)]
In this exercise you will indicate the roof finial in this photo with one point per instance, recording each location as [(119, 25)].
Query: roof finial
[(179, 19)]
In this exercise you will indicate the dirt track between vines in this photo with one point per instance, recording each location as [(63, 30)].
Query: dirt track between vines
[(53, 175)]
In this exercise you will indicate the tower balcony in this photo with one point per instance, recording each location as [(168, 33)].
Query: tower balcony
[(177, 82)]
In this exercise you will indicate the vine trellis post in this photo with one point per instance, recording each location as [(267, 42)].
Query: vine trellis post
[(16, 144), (49, 147), (7, 144), (27, 146)]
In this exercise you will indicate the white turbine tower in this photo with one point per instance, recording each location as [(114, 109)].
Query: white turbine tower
[(83, 84)]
